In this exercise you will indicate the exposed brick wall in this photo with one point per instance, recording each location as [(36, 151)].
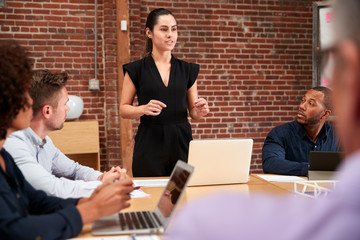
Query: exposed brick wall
[(111, 109), (60, 36), (255, 61), (255, 58)]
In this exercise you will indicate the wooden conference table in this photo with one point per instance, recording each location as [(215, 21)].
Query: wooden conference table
[(255, 185)]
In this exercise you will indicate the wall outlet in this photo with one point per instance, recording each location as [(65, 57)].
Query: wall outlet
[(94, 84)]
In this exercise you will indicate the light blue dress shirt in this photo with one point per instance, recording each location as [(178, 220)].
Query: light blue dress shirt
[(46, 168), (229, 215)]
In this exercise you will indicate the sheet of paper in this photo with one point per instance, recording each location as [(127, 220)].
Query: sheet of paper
[(142, 237), (151, 182), (277, 178), (146, 237), (105, 238), (139, 194)]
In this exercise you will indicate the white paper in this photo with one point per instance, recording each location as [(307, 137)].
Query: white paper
[(105, 238), (139, 194), (146, 237), (142, 237), (276, 178), (151, 182)]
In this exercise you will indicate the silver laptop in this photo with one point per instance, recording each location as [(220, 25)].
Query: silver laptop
[(323, 165), (220, 161), (147, 222)]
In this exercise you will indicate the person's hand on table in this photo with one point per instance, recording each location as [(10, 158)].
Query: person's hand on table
[(115, 174), (107, 199)]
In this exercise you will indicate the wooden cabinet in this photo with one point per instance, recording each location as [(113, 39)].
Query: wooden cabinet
[(79, 141)]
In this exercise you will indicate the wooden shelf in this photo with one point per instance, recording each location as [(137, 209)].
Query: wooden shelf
[(79, 141)]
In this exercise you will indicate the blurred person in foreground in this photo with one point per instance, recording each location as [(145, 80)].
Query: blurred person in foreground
[(26, 213), (234, 216)]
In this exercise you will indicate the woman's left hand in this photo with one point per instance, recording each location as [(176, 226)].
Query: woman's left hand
[(201, 107)]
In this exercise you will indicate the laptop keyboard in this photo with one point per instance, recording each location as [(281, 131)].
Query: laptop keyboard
[(138, 220)]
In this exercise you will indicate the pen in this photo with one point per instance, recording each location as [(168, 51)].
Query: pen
[(137, 187)]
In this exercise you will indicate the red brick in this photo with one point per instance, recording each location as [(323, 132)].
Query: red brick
[(32, 5), (245, 65)]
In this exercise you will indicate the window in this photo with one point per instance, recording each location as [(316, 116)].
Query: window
[(322, 39)]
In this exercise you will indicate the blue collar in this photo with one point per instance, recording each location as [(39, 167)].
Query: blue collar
[(34, 138)]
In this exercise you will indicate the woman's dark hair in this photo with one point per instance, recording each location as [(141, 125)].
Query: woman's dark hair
[(151, 21), (15, 79)]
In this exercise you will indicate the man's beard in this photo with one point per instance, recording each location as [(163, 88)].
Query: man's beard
[(310, 121)]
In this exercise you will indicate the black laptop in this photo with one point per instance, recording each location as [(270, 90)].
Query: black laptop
[(323, 165)]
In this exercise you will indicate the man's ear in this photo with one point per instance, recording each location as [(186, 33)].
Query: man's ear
[(326, 114), (46, 111)]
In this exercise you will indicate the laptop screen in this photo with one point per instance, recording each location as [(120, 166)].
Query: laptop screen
[(173, 190), (323, 165), (324, 161)]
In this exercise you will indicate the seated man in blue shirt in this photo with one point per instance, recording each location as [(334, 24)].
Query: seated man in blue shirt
[(286, 148), (44, 166)]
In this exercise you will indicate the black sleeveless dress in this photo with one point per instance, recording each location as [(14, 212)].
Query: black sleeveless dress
[(161, 140)]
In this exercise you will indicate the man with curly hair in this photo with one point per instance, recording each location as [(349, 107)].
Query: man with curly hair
[(44, 166), (27, 213)]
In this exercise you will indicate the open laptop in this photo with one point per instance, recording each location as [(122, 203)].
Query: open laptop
[(323, 164), (147, 222), (220, 161)]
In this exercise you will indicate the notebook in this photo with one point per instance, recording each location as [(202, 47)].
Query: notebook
[(220, 161), (147, 222), (323, 165)]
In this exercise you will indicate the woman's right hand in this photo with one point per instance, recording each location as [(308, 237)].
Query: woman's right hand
[(153, 108)]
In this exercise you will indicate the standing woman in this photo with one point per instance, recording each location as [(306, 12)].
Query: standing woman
[(166, 89)]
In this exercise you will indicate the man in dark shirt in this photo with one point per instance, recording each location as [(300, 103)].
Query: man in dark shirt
[(286, 148)]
